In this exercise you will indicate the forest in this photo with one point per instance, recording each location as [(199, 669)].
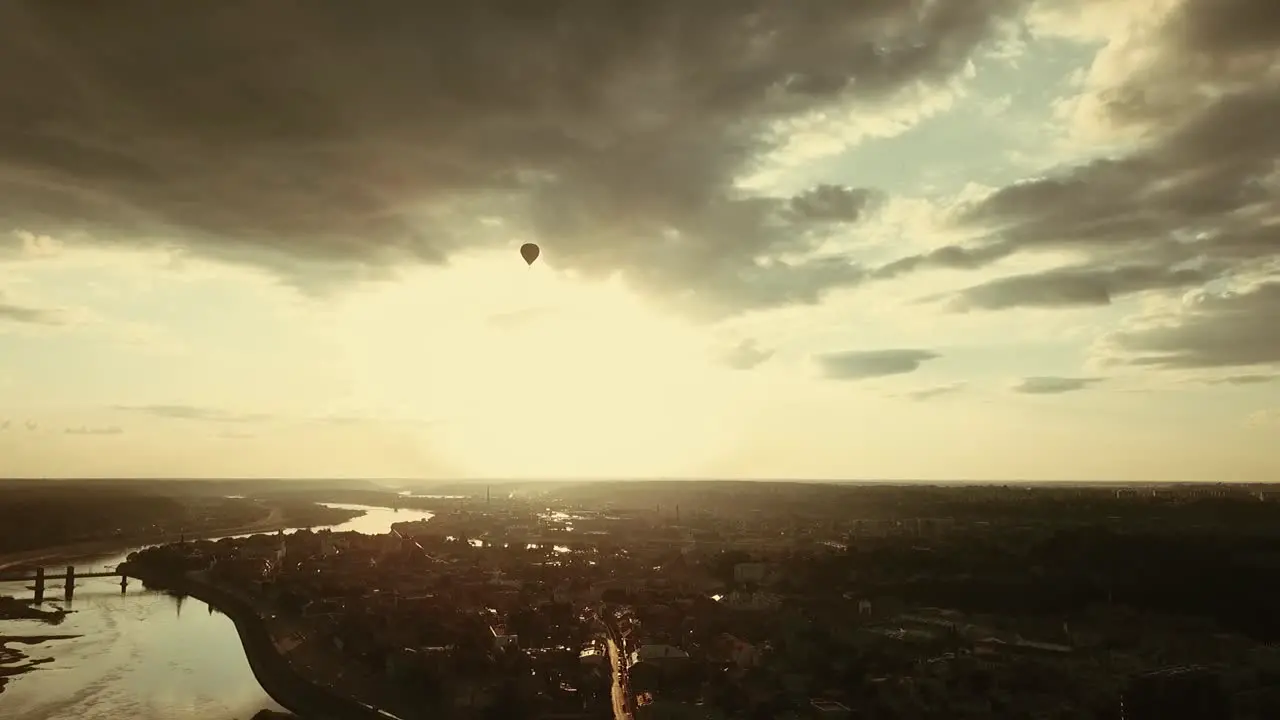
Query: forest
[(46, 514)]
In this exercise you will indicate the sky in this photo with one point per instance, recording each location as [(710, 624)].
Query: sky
[(997, 240)]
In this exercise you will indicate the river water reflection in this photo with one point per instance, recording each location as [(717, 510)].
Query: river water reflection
[(144, 655)]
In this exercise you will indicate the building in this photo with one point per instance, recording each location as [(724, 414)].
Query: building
[(1178, 693), (750, 572), (652, 667), (651, 653), (594, 655), (669, 710), (830, 709), (736, 651), (740, 600), (503, 641)]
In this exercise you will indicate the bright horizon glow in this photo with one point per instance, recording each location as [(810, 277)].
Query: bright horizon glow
[(523, 371)]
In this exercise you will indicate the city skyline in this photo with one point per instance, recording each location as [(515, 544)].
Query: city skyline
[(1005, 241)]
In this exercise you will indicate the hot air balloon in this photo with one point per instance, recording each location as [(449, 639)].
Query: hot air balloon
[(529, 252)]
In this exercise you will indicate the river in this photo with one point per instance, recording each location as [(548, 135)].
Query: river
[(144, 655)]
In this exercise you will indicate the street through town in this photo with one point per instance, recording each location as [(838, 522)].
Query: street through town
[(621, 696), (621, 709)]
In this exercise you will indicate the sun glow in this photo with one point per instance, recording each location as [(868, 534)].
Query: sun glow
[(525, 372)]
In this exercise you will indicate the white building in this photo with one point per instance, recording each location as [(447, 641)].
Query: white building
[(652, 653)]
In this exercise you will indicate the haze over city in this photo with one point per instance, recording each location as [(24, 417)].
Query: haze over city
[(986, 239)]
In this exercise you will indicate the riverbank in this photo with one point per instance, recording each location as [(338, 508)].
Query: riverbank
[(9, 656), (271, 669), (70, 553), (12, 608)]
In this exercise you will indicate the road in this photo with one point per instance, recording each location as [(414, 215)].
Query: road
[(623, 703)]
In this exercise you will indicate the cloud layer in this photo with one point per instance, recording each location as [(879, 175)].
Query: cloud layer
[(84, 430), (864, 364), (15, 312), (1210, 330), (1045, 385), (328, 142), (191, 412), (747, 355), (1195, 92), (936, 391)]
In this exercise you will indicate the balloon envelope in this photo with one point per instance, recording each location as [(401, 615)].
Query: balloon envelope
[(529, 252)]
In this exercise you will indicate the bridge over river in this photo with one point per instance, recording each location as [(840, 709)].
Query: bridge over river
[(39, 577), (144, 655)]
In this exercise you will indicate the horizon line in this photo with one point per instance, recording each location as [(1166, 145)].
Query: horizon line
[(607, 479)]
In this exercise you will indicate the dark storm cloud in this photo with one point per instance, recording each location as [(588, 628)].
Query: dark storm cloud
[(1229, 329), (1053, 385), (747, 355), (332, 140), (863, 364), (191, 412), (934, 392), (1072, 287), (82, 430), (15, 312)]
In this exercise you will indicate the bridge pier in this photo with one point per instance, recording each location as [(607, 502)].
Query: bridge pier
[(39, 577)]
